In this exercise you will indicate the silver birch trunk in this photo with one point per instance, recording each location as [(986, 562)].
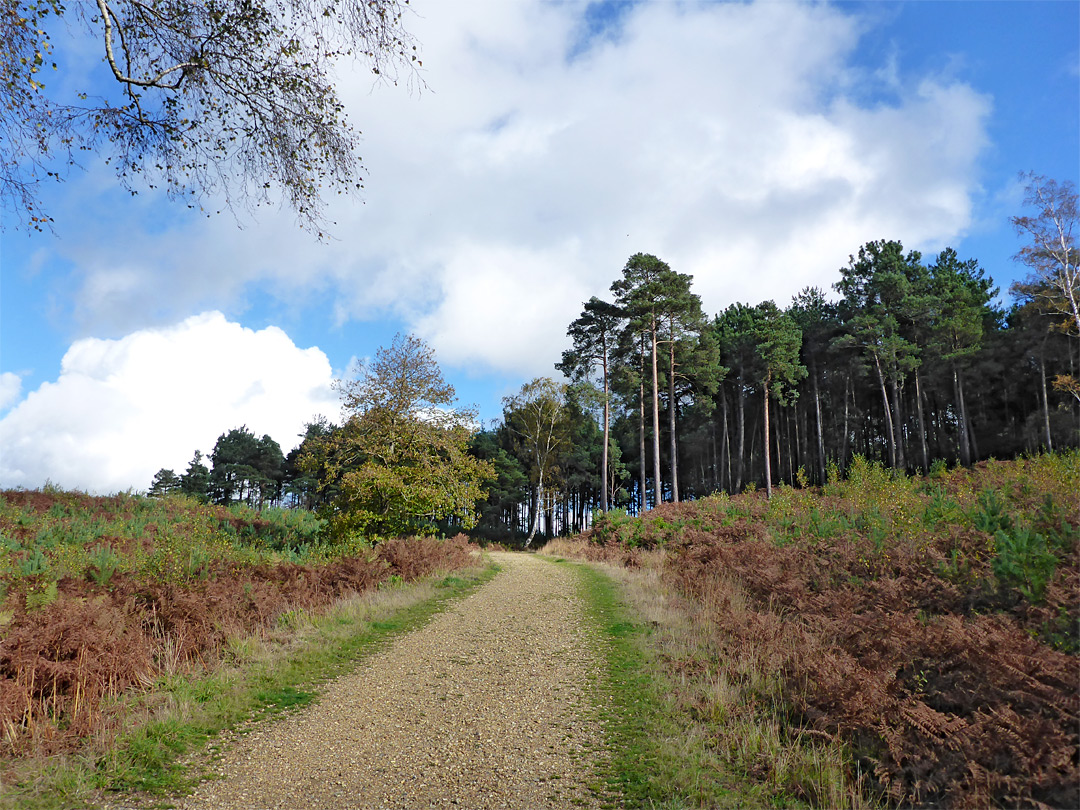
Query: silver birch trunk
[(1046, 404), (536, 512)]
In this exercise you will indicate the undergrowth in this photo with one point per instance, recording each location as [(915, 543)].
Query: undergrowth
[(928, 627), (104, 597), (679, 734), (163, 748), (46, 536)]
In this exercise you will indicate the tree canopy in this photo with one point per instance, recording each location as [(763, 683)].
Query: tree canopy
[(1053, 257), (229, 100), (401, 462), (913, 364), (246, 468), (536, 416), (595, 335)]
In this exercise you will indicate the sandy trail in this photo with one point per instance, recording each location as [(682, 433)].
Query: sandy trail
[(486, 706)]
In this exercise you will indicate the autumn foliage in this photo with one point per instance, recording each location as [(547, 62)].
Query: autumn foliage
[(928, 625), (70, 643)]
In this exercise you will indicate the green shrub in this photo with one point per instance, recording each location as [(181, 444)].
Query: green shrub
[(608, 526), (104, 562), (1023, 561), (34, 564), (940, 509), (990, 515), (41, 593), (1052, 520)]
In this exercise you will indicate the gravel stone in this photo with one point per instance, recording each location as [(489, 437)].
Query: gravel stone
[(489, 705)]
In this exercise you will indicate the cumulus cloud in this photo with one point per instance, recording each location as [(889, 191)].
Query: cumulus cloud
[(739, 142), (485, 289), (122, 409), (10, 389)]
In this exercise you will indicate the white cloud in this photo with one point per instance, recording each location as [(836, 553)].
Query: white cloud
[(10, 389), (739, 142), (123, 409), (486, 283)]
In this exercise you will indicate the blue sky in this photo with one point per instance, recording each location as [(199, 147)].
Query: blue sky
[(754, 145)]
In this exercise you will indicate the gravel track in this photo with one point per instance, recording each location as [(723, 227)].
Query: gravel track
[(486, 706)]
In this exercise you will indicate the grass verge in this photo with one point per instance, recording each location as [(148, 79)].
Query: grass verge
[(669, 744), (643, 769), (166, 750)]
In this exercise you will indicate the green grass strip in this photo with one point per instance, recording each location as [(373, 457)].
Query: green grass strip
[(651, 764), (148, 759)]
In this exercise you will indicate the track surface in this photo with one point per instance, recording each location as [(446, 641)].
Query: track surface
[(486, 706)]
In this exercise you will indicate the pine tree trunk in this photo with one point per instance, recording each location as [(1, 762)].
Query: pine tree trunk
[(641, 439), (607, 433), (753, 444), (658, 495), (922, 424), (820, 431), (742, 436), (768, 459), (967, 421), (845, 445), (671, 426), (725, 449), (779, 430), (793, 444), (888, 414), (714, 467), (962, 434), (802, 437), (897, 424)]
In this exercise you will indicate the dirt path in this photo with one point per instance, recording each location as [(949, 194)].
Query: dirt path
[(485, 706)]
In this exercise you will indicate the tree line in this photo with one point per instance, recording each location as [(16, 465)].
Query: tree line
[(243, 468), (400, 462), (912, 362)]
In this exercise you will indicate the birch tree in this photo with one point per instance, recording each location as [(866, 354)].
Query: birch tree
[(536, 417), (1053, 257), (219, 101)]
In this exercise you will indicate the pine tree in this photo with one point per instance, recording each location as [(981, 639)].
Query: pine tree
[(594, 335), (195, 482), (778, 341)]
